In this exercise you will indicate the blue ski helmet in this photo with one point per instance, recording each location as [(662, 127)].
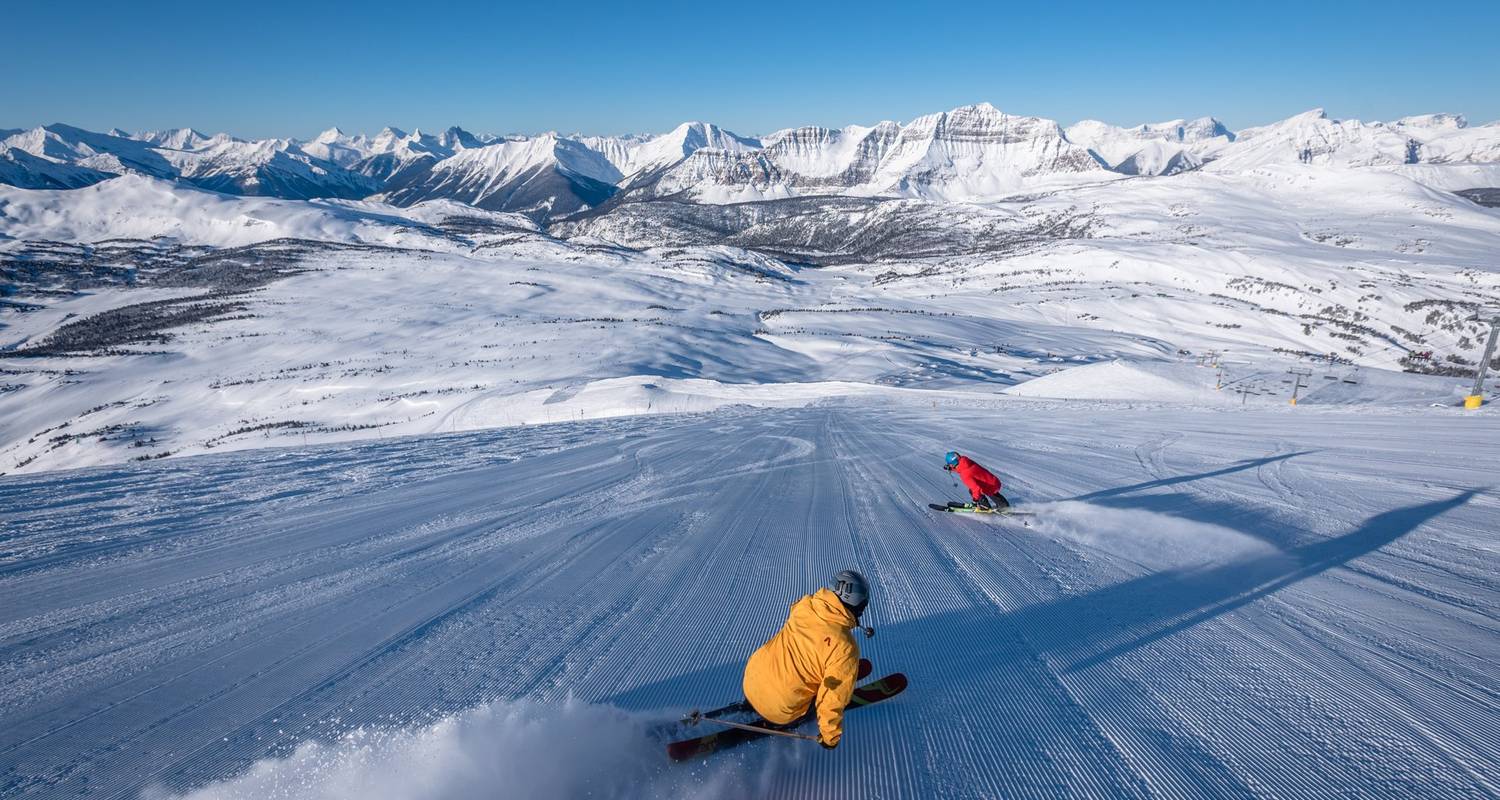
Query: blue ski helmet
[(952, 459)]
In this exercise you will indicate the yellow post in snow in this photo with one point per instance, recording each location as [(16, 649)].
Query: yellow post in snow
[(1476, 397), (1297, 376)]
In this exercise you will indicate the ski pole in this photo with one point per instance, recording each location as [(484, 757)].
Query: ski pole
[(758, 729)]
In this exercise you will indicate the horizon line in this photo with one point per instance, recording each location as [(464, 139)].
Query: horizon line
[(577, 134)]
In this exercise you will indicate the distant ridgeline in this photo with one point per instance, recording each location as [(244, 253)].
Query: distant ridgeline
[(967, 154)]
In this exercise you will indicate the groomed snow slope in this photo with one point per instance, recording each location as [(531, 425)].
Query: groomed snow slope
[(1115, 380), (1272, 603)]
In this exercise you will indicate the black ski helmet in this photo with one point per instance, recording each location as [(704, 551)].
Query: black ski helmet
[(852, 590)]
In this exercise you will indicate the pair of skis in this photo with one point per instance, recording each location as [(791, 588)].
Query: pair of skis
[(738, 733), (969, 508)]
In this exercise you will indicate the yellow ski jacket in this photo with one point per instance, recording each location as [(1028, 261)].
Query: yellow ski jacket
[(813, 656)]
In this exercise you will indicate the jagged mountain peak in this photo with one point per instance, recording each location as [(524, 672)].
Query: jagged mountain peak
[(1153, 148), (969, 152), (456, 138), (387, 138), (1182, 130), (64, 129), (98, 154), (981, 114), (1206, 128), (982, 109), (696, 134), (691, 136), (541, 176), (1440, 121), (637, 155)]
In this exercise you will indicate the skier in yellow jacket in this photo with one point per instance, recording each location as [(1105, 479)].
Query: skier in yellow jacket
[(813, 661)]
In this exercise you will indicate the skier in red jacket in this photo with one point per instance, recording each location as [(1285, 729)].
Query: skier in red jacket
[(984, 487)]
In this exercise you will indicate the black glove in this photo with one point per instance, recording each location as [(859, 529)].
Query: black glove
[(827, 746)]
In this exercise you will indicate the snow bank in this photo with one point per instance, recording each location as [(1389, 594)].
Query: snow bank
[(1451, 177), (1266, 380), (520, 749), (644, 394), (1118, 380)]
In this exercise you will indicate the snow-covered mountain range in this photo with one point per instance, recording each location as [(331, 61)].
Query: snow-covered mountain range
[(1163, 148), (415, 282), (973, 153)]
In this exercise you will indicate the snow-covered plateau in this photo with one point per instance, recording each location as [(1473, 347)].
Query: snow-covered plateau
[(453, 465)]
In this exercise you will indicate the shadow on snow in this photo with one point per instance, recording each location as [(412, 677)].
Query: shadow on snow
[(1079, 632), (1238, 466)]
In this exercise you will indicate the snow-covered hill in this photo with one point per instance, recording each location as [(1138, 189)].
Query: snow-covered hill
[(135, 208), (1315, 138), (19, 167), (145, 318)]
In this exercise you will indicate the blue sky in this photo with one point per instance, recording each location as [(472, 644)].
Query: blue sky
[(293, 69)]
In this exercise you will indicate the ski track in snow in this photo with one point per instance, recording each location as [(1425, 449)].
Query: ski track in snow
[(1264, 604)]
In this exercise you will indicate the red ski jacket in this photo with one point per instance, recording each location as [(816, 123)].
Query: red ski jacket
[(979, 480)]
